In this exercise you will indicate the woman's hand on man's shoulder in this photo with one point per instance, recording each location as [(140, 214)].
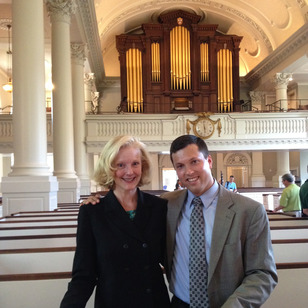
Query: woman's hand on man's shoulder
[(93, 199)]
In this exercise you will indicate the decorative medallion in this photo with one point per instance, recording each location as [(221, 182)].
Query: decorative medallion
[(179, 21)]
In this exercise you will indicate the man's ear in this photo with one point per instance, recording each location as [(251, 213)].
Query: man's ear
[(210, 161)]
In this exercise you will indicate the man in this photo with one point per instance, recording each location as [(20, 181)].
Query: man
[(303, 194), (241, 266), (241, 270), (230, 185), (289, 201)]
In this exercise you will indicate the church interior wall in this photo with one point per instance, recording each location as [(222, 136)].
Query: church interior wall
[(302, 91), (244, 92), (269, 166), (294, 164), (110, 100), (5, 97)]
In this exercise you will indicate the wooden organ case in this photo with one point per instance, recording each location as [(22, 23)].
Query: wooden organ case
[(178, 65)]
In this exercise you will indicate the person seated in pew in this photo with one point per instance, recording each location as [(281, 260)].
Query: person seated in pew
[(121, 241), (289, 201)]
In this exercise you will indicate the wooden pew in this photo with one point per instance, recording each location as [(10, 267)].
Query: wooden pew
[(46, 213), (59, 274), (30, 231), (36, 223), (38, 242), (278, 216), (293, 222), (36, 291), (290, 233), (36, 257), (39, 218), (290, 251), (14, 262), (291, 290)]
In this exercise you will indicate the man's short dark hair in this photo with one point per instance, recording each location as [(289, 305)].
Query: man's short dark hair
[(185, 140)]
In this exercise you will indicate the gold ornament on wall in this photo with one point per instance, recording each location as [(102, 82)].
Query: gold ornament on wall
[(203, 127)]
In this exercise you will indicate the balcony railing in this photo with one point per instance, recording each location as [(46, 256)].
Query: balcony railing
[(6, 109), (292, 104), (240, 131), (277, 106)]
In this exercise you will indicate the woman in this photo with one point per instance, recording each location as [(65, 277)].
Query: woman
[(121, 240)]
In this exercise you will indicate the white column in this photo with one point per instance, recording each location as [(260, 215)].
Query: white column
[(78, 58), (282, 80), (257, 176), (283, 167), (30, 186), (63, 133)]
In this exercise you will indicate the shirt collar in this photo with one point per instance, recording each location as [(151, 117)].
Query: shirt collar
[(207, 197)]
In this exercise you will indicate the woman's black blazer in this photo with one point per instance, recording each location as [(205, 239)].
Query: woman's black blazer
[(120, 256)]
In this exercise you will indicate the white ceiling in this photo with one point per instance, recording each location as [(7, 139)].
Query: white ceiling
[(264, 25)]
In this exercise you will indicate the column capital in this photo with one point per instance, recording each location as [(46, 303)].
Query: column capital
[(78, 53), (60, 10), (282, 79)]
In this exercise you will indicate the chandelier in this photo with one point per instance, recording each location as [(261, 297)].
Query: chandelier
[(8, 87)]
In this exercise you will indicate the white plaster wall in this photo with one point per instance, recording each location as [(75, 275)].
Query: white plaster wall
[(110, 100)]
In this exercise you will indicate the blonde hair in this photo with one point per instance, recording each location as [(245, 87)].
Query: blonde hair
[(105, 169)]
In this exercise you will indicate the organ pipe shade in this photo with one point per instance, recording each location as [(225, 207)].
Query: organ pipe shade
[(155, 53), (180, 58), (134, 80), (225, 82), (204, 62)]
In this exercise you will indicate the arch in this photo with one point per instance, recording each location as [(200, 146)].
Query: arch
[(239, 165)]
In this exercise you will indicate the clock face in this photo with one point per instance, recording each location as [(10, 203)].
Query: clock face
[(204, 128)]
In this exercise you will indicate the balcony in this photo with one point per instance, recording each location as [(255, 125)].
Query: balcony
[(239, 131)]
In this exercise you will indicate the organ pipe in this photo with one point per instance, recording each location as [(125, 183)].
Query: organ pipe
[(155, 52), (180, 70), (204, 62), (134, 80), (225, 81)]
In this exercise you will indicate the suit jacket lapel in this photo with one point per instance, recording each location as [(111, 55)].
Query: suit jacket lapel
[(143, 213), (118, 216), (222, 224)]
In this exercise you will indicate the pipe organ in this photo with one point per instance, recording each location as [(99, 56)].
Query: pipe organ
[(179, 64)]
